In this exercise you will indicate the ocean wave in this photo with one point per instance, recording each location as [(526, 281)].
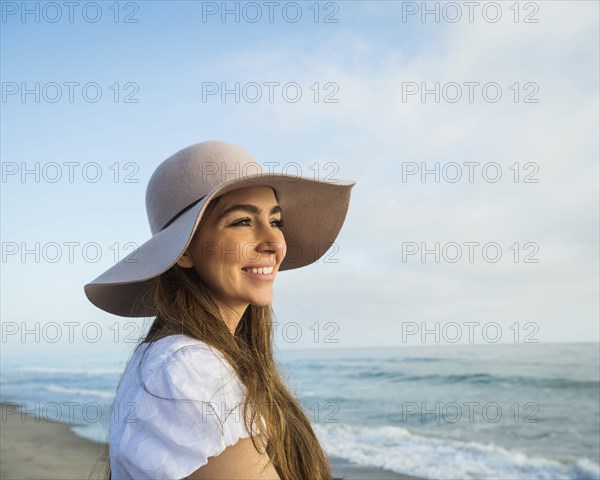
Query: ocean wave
[(70, 370), (355, 362), (477, 378), (86, 392), (399, 450)]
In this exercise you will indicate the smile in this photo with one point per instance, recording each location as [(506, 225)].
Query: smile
[(264, 270), (260, 273)]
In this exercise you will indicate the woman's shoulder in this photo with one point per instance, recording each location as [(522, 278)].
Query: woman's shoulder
[(177, 348), (178, 363), (189, 409)]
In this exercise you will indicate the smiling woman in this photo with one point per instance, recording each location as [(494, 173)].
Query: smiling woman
[(202, 397)]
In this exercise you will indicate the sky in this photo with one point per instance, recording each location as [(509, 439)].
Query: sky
[(471, 132)]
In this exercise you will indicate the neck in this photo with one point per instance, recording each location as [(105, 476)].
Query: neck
[(232, 316)]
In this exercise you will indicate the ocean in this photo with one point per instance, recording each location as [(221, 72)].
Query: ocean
[(452, 412)]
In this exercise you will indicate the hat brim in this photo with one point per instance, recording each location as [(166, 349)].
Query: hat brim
[(314, 212)]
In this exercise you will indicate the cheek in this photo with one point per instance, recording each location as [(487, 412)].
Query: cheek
[(207, 261), (228, 259), (236, 248)]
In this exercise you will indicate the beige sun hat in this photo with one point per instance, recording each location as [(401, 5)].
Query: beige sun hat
[(176, 198)]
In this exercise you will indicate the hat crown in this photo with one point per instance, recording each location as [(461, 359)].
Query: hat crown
[(192, 173)]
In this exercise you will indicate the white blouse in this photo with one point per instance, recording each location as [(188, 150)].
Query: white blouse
[(155, 438)]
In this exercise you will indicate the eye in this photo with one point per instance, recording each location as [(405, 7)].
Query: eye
[(241, 222), (245, 222)]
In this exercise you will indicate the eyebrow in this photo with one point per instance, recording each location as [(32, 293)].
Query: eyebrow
[(248, 208)]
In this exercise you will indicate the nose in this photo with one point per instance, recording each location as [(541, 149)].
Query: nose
[(271, 241), (271, 247)]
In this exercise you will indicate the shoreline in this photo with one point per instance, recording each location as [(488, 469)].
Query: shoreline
[(41, 449)]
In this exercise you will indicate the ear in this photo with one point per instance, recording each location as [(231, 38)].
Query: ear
[(186, 260)]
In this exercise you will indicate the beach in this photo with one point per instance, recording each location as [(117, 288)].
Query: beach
[(33, 448)]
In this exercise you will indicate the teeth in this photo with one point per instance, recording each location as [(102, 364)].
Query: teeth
[(262, 271)]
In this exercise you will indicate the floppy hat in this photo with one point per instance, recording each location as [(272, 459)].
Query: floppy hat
[(176, 198)]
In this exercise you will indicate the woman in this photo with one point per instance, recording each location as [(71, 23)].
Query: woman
[(201, 397)]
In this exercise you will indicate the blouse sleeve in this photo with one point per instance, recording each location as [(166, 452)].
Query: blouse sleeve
[(199, 415)]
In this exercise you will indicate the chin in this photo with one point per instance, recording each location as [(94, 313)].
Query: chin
[(263, 302)]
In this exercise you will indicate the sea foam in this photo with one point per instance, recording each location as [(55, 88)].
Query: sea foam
[(401, 451)]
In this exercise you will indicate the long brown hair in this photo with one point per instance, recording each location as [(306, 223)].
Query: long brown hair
[(185, 305)]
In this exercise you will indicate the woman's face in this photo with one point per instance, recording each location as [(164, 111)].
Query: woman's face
[(242, 232)]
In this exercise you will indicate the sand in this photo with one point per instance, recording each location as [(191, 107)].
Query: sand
[(33, 448)]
